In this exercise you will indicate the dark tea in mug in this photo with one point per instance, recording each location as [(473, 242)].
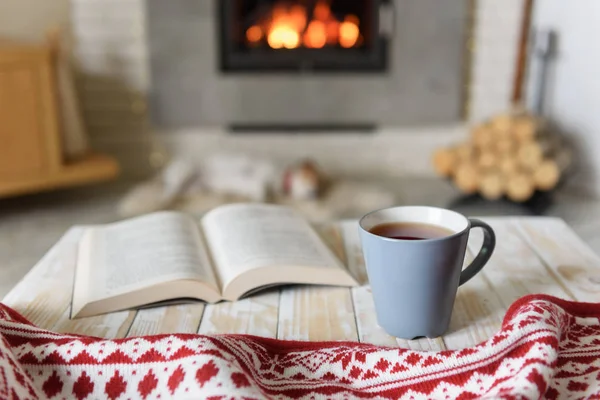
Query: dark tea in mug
[(410, 231)]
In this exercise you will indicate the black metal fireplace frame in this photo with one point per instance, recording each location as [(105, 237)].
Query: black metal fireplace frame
[(232, 61)]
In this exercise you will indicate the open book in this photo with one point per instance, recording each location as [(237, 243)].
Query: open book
[(232, 251)]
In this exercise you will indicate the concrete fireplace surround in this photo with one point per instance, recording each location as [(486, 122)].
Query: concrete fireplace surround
[(121, 72), (424, 83)]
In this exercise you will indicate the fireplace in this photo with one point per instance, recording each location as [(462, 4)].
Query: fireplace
[(211, 63), (303, 35)]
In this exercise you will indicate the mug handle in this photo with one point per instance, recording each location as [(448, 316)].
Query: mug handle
[(489, 243)]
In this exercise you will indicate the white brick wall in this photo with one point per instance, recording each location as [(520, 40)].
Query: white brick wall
[(496, 35), (111, 40), (111, 54)]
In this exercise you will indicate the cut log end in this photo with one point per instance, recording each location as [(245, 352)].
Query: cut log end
[(547, 175), (464, 152), (491, 185), (519, 187), (530, 156), (526, 128), (505, 145), (502, 122), (508, 165), (444, 161), (483, 137), (487, 160), (466, 178)]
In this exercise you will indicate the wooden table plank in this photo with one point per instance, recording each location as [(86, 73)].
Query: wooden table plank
[(184, 318), (256, 315), (48, 290), (109, 326), (366, 320), (44, 294), (316, 313), (568, 260), (516, 269), (319, 312), (333, 236), (477, 312), (353, 251)]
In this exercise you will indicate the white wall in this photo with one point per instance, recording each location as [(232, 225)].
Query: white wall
[(30, 19), (496, 31), (574, 95)]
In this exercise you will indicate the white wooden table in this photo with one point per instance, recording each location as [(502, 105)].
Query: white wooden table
[(533, 255)]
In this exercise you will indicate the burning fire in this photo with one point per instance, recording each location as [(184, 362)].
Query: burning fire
[(288, 27)]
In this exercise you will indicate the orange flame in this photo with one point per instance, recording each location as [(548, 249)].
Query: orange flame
[(316, 35), (289, 28), (349, 32), (254, 34)]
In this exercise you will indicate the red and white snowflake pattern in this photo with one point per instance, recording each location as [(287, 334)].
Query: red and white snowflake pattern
[(547, 348)]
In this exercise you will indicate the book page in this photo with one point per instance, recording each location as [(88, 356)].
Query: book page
[(147, 250), (244, 237)]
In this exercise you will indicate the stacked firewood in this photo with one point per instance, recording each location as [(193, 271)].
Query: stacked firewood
[(510, 155)]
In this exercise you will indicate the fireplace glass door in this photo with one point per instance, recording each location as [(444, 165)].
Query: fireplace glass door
[(302, 35)]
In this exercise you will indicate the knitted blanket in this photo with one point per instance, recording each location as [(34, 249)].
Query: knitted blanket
[(546, 348)]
